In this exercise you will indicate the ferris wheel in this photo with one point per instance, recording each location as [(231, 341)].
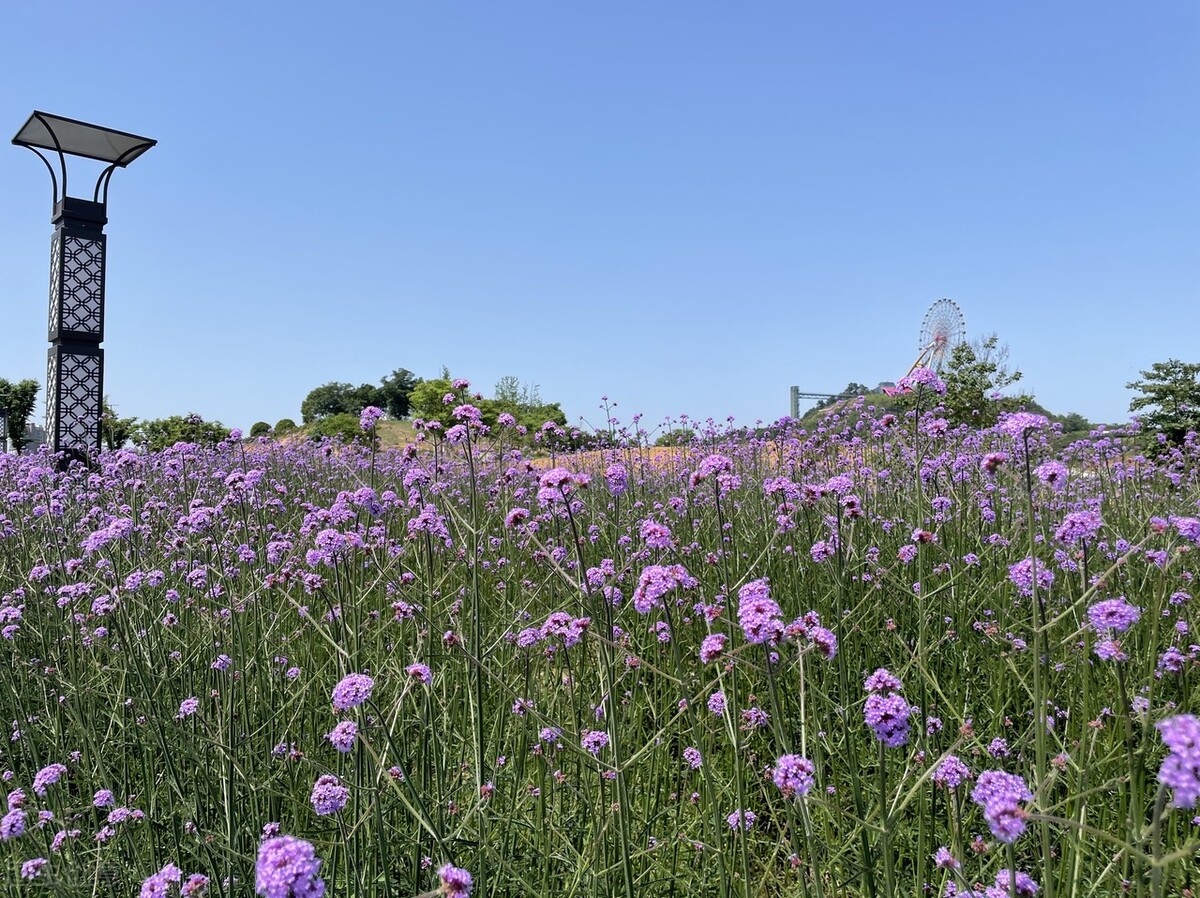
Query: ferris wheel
[(943, 328)]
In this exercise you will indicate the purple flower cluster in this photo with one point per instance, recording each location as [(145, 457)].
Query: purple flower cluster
[(740, 819), (329, 796), (758, 614), (594, 741), (1022, 575), (886, 712), (656, 535), (712, 646), (1078, 527), (287, 868), (342, 736), (658, 580), (369, 417), (454, 882), (1113, 614), (1017, 424), (157, 885), (420, 672), (1052, 473), (48, 776), (1004, 883), (617, 479), (922, 377), (559, 484), (793, 774), (1180, 770), (720, 467), (1000, 795), (351, 691)]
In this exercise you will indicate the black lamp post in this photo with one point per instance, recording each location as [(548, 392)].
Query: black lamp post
[(75, 362)]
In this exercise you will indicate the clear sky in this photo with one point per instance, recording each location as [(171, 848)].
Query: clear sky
[(684, 206)]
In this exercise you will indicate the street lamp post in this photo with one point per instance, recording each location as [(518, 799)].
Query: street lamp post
[(75, 361)]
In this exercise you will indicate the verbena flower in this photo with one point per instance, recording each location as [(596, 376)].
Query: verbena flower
[(922, 377), (712, 646), (951, 772), (1022, 575), (1016, 424), (1000, 795), (187, 708), (420, 672), (48, 776), (1026, 887), (1052, 473), (12, 824), (351, 691), (287, 868), (793, 775), (1078, 527), (329, 795), (593, 741), (342, 736), (758, 614), (1113, 614), (943, 859), (454, 882), (658, 580), (1180, 770), (369, 417), (158, 884), (740, 819)]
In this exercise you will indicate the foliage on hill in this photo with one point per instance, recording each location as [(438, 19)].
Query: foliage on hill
[(159, 433), (974, 378), (1169, 404), (18, 400)]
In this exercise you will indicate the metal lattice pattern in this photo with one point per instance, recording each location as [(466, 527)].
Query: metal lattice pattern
[(55, 281), (79, 401), (51, 398), (82, 284)]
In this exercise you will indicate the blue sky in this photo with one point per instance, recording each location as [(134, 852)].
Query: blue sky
[(686, 207)]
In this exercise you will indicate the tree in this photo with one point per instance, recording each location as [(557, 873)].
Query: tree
[(342, 427), (328, 399), (508, 390), (115, 430), (161, 433), (18, 400), (426, 400), (259, 429), (284, 426), (395, 391), (1073, 422), (339, 399), (974, 376), (1170, 400)]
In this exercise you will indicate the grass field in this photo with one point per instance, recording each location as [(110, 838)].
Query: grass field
[(882, 657)]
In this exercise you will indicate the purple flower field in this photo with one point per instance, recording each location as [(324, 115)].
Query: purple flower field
[(884, 657)]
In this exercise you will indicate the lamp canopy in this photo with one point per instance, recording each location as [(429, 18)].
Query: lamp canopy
[(75, 138)]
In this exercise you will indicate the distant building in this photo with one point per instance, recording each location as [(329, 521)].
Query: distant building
[(35, 438)]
